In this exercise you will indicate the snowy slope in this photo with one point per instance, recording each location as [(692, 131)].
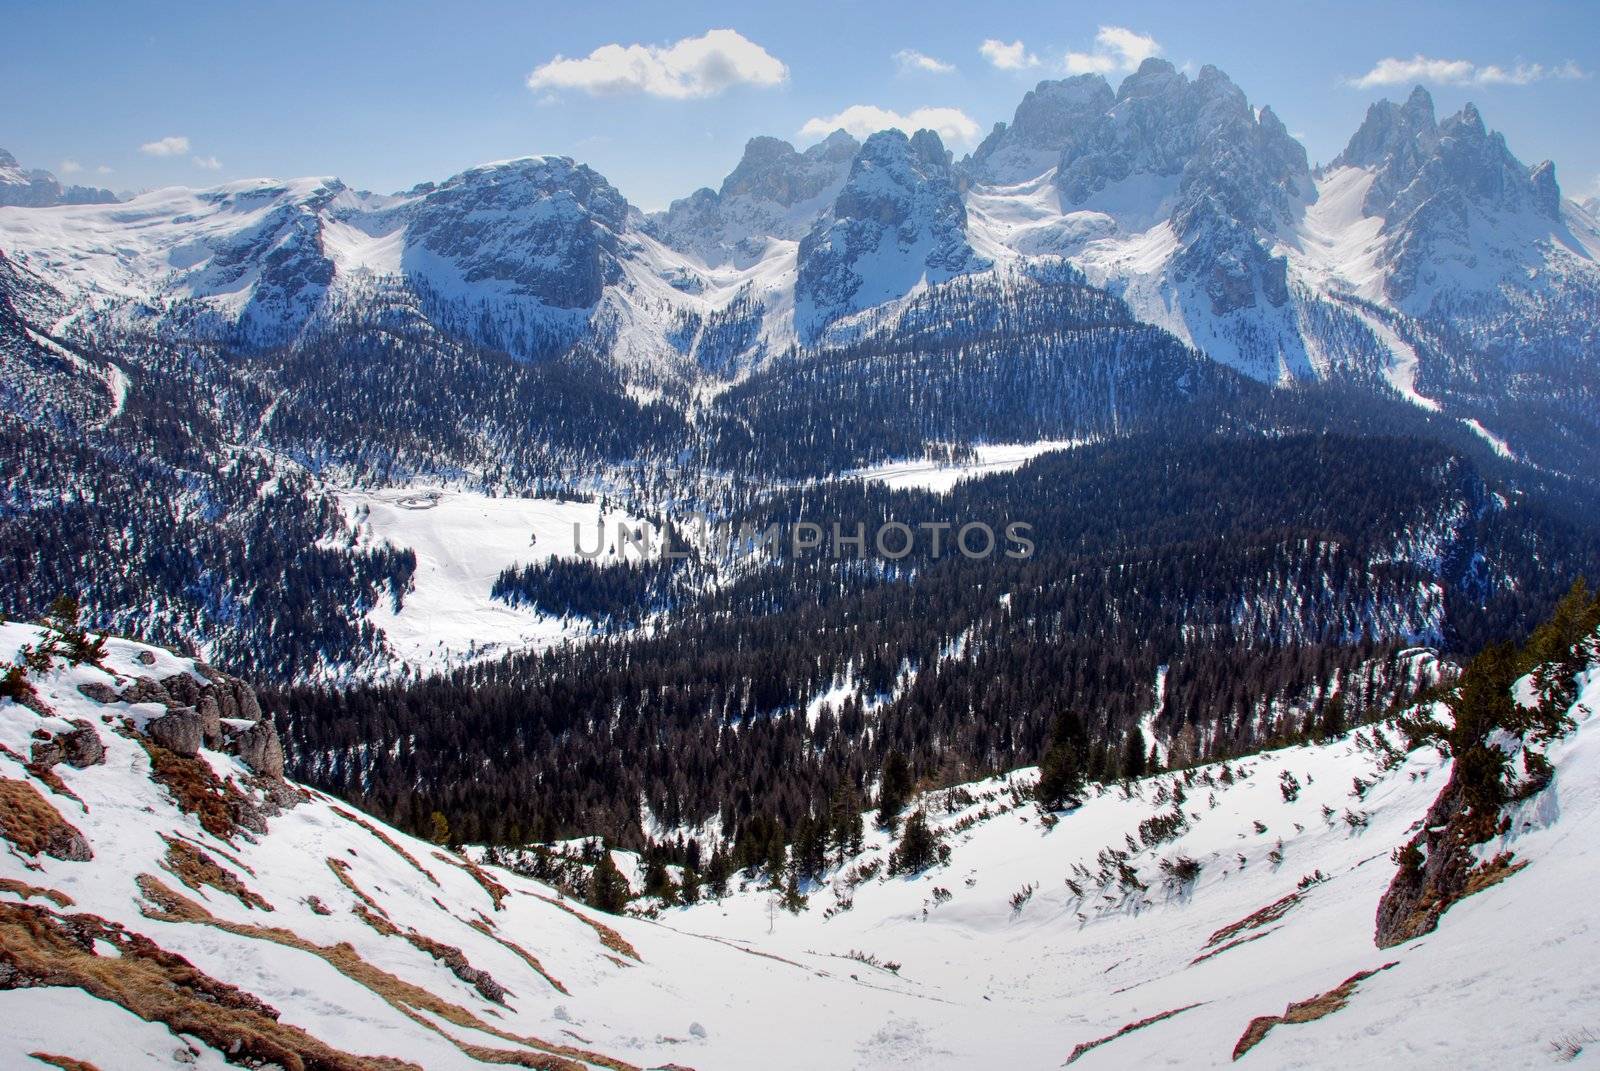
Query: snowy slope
[(1504, 976), (380, 944)]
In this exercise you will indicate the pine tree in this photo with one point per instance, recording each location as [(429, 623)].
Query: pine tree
[(608, 889), (894, 790), (1332, 723), (919, 846), (1133, 755), (1061, 770)]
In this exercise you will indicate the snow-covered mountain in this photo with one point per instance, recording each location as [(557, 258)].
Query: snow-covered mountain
[(775, 192), (38, 188), (897, 224), (168, 899), (1426, 262)]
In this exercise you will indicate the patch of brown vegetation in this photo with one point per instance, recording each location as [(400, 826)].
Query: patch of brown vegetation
[(408, 999), (213, 849), (1079, 1050), (41, 948), (527, 957), (496, 891), (66, 1063), (1254, 921), (198, 870), (34, 892), (35, 827), (1304, 1011), (341, 870), (388, 840), (608, 937), (540, 1061), (1235, 943), (375, 920), (1493, 872), (456, 961), (52, 780), (195, 788)]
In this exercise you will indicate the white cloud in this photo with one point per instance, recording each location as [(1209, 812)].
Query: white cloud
[(104, 170), (910, 61), (1393, 70), (951, 124), (1012, 57), (69, 167), (176, 145), (210, 163), (1116, 48), (693, 67)]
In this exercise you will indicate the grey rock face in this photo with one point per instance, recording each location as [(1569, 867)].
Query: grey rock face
[(546, 226), (186, 690), (765, 196), (79, 748), (260, 748), (1049, 118), (178, 730), (146, 690), (901, 207), (1238, 174), (82, 747)]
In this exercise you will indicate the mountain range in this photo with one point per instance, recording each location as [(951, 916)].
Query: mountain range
[(1153, 257)]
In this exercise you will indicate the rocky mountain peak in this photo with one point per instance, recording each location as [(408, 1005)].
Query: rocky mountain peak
[(547, 226), (1392, 130), (1546, 191), (772, 170), (37, 188), (775, 191), (897, 221), (1041, 128)]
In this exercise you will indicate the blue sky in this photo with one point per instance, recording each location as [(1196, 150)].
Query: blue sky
[(386, 95)]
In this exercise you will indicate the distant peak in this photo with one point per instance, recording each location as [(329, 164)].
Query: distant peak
[(1420, 100)]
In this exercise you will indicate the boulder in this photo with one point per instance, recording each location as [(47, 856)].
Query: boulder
[(260, 749), (99, 692), (178, 730)]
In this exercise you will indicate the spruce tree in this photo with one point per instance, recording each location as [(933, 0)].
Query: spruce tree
[(1133, 755), (1061, 770), (919, 846), (608, 889), (894, 790)]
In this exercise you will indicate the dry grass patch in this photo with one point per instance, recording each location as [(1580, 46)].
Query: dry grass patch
[(1231, 945), (66, 1063), (1304, 1011), (341, 870), (198, 870), (387, 840), (41, 948), (1491, 873), (196, 789), (608, 937), (496, 891), (1254, 921), (527, 957), (34, 892), (407, 998), (33, 825), (1149, 1020)]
